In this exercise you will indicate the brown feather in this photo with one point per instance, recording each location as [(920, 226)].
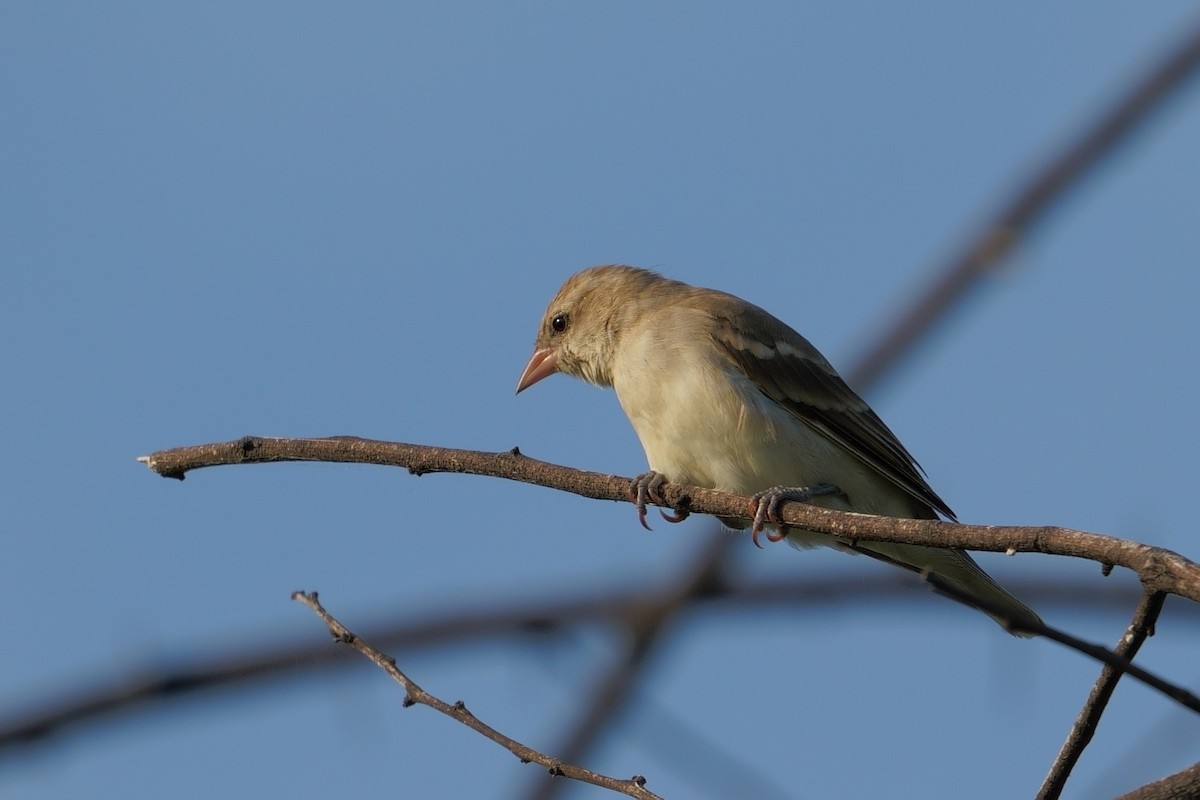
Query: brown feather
[(806, 384)]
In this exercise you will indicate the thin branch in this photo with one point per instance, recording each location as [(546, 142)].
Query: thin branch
[(1158, 569), (1145, 617), (697, 753), (1028, 206), (414, 695)]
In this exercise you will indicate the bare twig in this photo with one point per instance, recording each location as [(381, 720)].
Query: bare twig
[(1158, 569), (414, 695), (1145, 617)]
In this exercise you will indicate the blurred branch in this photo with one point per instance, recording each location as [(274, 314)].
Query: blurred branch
[(697, 754), (1145, 617), (161, 686), (1028, 205), (415, 695), (1158, 569), (645, 635)]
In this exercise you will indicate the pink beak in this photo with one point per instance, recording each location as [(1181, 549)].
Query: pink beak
[(542, 364)]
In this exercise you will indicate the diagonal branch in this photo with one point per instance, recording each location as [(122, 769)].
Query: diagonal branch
[(1028, 206), (415, 695), (645, 630), (1145, 616)]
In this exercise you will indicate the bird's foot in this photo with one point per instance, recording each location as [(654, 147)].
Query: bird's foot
[(764, 506), (644, 490)]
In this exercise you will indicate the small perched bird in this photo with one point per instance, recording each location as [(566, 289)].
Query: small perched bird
[(723, 395)]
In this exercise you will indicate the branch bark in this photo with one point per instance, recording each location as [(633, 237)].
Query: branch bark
[(1159, 569), (1180, 786), (1145, 617)]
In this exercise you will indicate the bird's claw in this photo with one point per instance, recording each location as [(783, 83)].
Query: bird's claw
[(645, 490), (764, 507), (679, 516)]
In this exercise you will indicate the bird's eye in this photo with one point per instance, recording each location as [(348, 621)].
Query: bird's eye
[(559, 323)]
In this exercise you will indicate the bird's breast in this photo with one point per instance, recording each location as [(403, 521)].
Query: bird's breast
[(709, 426)]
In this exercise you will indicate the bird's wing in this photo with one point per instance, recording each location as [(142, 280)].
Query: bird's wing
[(790, 371)]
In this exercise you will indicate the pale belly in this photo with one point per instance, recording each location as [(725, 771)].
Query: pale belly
[(726, 435)]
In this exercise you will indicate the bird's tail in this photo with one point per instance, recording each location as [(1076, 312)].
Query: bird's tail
[(959, 569)]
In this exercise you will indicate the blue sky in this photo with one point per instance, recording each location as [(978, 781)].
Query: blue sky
[(310, 219)]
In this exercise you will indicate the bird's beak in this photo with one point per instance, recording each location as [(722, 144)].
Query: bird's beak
[(542, 364)]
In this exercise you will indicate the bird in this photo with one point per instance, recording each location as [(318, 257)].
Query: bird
[(723, 395)]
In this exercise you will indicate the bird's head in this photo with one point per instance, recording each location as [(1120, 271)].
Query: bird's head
[(584, 321)]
